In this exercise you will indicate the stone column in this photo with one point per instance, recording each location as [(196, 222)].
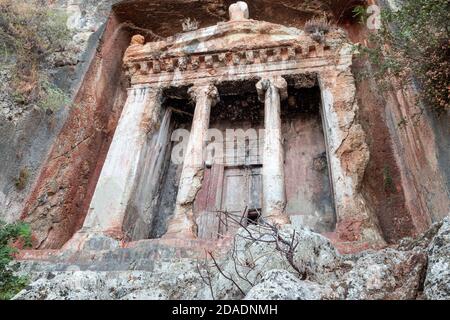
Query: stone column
[(182, 224), (272, 91), (124, 162)]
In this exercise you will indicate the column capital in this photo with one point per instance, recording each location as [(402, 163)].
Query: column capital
[(207, 90), (276, 82)]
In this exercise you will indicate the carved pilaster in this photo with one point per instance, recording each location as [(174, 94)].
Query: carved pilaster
[(123, 165), (348, 156)]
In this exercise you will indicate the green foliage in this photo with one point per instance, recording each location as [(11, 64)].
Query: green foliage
[(10, 284), (414, 44), (52, 97), (33, 32), (402, 123), (360, 12)]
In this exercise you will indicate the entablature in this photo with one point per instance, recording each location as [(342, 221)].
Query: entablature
[(236, 49)]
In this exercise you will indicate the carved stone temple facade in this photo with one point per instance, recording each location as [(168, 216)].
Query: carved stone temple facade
[(219, 150), (241, 74)]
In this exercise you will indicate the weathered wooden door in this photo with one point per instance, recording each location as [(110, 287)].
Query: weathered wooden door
[(242, 193), (238, 190)]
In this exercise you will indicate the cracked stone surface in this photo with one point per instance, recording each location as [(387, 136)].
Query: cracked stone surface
[(282, 285), (259, 271), (437, 282)]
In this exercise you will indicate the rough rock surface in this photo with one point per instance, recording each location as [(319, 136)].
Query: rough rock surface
[(262, 269), (283, 285), (183, 283), (384, 275), (248, 259), (27, 131), (26, 134), (437, 282)]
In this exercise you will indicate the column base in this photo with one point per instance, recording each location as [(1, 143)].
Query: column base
[(91, 240), (277, 218), (181, 227)]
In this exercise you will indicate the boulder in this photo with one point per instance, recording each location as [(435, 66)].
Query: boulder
[(263, 263), (175, 281), (259, 249), (437, 281), (283, 285), (384, 275)]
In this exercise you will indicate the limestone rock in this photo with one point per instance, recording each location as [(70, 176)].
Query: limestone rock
[(421, 242), (176, 282), (384, 275), (437, 281), (283, 285), (255, 270), (313, 255)]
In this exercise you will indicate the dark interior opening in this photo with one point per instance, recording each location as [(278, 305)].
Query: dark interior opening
[(252, 217), (232, 188), (176, 100)]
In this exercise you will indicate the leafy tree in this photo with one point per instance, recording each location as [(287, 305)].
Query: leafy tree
[(10, 284), (413, 45)]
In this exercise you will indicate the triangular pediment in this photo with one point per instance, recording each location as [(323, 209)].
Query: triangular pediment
[(240, 46), (226, 36)]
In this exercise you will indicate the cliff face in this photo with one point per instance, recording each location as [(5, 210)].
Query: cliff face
[(420, 145), (28, 132), (52, 160)]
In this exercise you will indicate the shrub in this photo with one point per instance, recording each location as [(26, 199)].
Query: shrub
[(413, 45), (52, 97), (189, 24), (33, 32), (317, 28), (10, 284), (360, 12)]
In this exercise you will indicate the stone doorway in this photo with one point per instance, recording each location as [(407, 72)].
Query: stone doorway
[(237, 200), (232, 185)]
